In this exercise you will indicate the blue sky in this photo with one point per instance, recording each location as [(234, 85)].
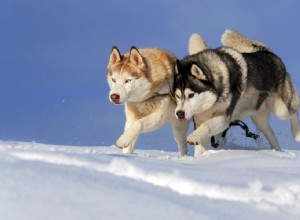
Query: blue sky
[(53, 58)]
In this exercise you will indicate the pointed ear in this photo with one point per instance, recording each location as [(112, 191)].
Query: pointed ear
[(197, 72), (135, 57), (196, 44), (115, 55)]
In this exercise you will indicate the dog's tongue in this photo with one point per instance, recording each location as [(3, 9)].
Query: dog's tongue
[(182, 119)]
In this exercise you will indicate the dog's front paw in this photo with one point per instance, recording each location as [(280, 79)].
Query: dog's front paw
[(123, 141), (193, 139)]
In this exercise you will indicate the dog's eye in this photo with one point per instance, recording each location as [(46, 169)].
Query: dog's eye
[(191, 95), (128, 81), (113, 79)]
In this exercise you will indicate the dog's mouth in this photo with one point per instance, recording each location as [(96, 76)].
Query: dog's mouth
[(117, 103), (182, 119)]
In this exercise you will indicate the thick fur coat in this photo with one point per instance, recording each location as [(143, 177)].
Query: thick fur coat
[(217, 86), (142, 80)]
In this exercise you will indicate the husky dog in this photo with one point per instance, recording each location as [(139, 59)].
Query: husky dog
[(218, 86), (143, 79)]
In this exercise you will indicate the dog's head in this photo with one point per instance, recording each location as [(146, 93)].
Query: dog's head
[(126, 76), (197, 84)]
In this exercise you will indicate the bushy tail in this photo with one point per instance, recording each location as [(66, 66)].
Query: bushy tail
[(241, 43), (196, 44)]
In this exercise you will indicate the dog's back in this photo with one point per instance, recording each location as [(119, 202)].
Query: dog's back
[(267, 73), (265, 70)]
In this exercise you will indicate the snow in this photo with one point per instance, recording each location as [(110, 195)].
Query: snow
[(39, 181)]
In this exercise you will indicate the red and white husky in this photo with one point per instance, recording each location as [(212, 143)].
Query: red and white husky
[(142, 79)]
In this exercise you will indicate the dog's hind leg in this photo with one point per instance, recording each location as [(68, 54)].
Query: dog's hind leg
[(179, 132), (282, 111), (295, 126), (286, 104), (261, 121)]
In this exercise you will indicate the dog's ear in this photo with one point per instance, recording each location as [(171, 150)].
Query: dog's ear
[(135, 57), (197, 72), (196, 44), (115, 55)]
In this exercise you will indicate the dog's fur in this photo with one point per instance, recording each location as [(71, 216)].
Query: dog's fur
[(222, 85), (143, 79), (241, 43), (196, 44)]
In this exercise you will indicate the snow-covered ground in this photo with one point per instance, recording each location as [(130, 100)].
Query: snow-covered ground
[(40, 181)]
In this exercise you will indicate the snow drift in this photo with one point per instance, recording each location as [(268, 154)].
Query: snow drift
[(40, 181)]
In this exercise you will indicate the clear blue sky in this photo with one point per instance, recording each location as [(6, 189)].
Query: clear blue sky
[(53, 58)]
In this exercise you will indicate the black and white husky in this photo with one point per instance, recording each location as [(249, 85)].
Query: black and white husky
[(243, 78)]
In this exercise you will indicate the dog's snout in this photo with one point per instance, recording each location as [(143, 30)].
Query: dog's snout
[(115, 98), (180, 114)]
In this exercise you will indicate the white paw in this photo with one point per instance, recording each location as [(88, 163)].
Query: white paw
[(297, 137), (124, 141), (128, 150), (193, 139)]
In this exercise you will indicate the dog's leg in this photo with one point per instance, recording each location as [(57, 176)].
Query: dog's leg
[(261, 121), (202, 134), (179, 132), (131, 133), (145, 124), (282, 111), (200, 149), (131, 147), (295, 126)]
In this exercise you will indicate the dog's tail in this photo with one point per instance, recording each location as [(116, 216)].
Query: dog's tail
[(196, 44), (242, 43), (287, 105)]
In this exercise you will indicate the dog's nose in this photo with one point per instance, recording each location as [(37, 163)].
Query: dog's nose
[(180, 114), (115, 98)]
